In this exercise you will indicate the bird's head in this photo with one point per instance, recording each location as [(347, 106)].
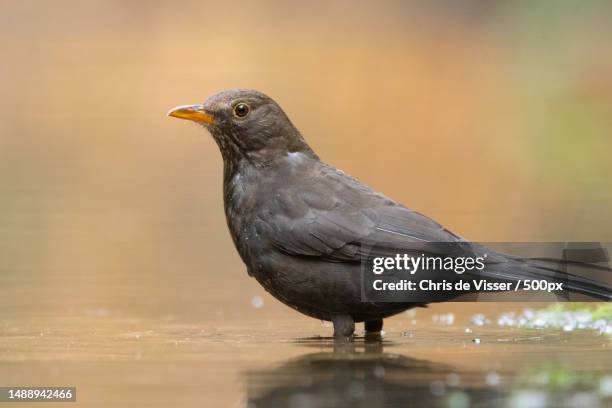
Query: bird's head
[(246, 124)]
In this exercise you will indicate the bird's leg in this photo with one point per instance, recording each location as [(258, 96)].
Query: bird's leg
[(344, 325), (373, 326)]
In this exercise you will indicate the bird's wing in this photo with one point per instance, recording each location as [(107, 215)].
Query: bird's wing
[(332, 216)]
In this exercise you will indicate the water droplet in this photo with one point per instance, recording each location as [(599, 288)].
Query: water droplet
[(605, 386), (493, 379), (453, 379), (379, 371), (257, 302)]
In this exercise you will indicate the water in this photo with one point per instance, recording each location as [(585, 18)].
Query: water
[(273, 357)]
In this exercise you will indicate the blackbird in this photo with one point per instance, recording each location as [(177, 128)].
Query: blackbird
[(299, 224)]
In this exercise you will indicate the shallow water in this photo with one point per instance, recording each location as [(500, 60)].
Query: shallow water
[(274, 357)]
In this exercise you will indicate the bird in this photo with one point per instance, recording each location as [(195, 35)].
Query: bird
[(300, 225)]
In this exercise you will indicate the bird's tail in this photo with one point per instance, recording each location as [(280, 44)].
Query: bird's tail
[(574, 275)]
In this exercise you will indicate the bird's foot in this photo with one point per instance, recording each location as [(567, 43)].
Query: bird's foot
[(344, 326), (373, 330), (373, 327)]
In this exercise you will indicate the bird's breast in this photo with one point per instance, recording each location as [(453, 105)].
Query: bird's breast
[(243, 197)]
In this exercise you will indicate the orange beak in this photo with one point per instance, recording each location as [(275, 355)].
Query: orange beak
[(195, 113)]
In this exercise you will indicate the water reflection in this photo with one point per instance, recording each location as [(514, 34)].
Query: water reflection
[(361, 373)]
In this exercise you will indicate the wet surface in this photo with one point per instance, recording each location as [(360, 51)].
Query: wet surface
[(277, 359)]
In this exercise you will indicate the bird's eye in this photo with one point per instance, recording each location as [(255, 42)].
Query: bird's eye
[(241, 110)]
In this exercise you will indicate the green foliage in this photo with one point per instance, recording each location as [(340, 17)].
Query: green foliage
[(555, 377), (598, 311)]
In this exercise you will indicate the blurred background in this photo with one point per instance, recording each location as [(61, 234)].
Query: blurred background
[(492, 117)]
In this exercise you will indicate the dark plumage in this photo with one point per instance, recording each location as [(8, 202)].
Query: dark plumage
[(298, 223)]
